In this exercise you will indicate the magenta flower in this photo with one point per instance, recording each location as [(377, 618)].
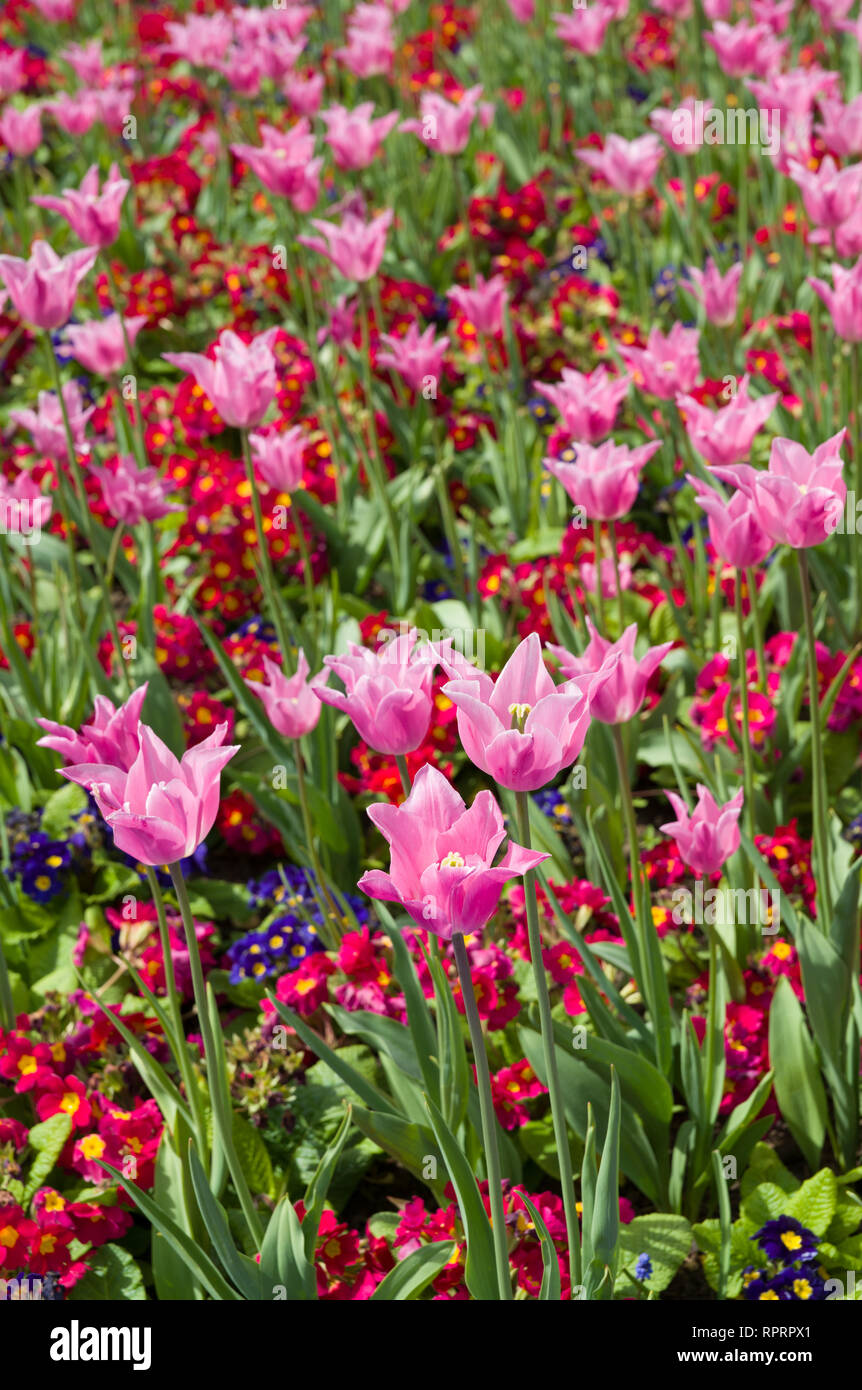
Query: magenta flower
[(305, 93), (356, 247), (629, 166), (604, 480), (521, 729), (278, 457), (716, 292), (162, 808), (587, 404), (354, 136), (734, 529), (708, 835), (830, 194), (284, 163), (135, 494), (112, 735), (669, 363), (798, 500), (100, 346), (45, 423), (93, 216), (418, 357), (585, 28), (844, 301), (446, 126), (482, 306), (239, 378), (724, 437), (621, 691), (442, 868), (744, 48), (290, 703), (43, 288), (21, 130), (387, 693)]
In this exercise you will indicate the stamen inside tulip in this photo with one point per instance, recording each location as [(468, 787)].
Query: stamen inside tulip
[(519, 714), (452, 860)]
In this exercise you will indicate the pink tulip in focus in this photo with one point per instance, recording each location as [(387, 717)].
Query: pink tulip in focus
[(45, 423), (21, 130), (278, 457), (135, 494), (112, 735), (239, 379), (353, 136), (724, 437), (587, 404), (43, 289), (716, 292), (484, 305), (387, 693), (284, 163), (161, 809), (798, 500), (442, 868), (604, 480), (356, 247), (521, 729), (290, 703), (100, 345), (669, 363), (629, 166), (831, 194), (736, 534), (844, 301), (445, 126), (619, 695), (93, 216), (585, 28), (709, 834), (418, 357)]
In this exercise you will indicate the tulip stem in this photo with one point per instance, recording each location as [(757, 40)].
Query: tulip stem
[(404, 773), (332, 939), (855, 539), (818, 788), (489, 1119), (612, 529), (222, 1111), (747, 764), (751, 585), (183, 1056), (600, 598), (558, 1114), (266, 571)]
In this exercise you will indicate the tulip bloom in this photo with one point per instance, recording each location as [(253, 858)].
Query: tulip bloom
[(619, 695), (587, 404), (629, 166), (100, 345), (134, 494), (584, 29), (278, 458), (93, 216), (284, 163), (831, 194), (669, 363), (841, 126), (112, 735), (604, 480), (521, 729), (484, 305), (356, 247), (24, 509), (289, 701), (716, 292), (418, 357), (725, 437), (239, 378), (43, 288), (446, 126), (387, 693), (45, 423), (745, 48), (162, 808), (21, 130), (844, 301), (734, 529), (353, 136), (442, 857), (798, 500), (707, 836)]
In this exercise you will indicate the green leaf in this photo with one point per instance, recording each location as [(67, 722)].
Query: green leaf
[(253, 1156), (665, 1238), (60, 807), (480, 1267), (815, 1202), (798, 1086), (411, 1145), (112, 1277), (315, 1194), (47, 1141), (414, 1273), (283, 1260), (218, 1229), (551, 1290)]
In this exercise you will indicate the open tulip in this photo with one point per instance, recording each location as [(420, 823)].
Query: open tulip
[(619, 695), (239, 378), (289, 701), (43, 288), (707, 836), (387, 694), (111, 736)]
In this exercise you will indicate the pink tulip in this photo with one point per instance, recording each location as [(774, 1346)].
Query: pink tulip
[(13, 72), (832, 12), (86, 61), (521, 729), (290, 703), (76, 113), (716, 292), (745, 48), (284, 163), (418, 357), (589, 576), (482, 306), (21, 130), (442, 869), (798, 500), (831, 194), (585, 28), (100, 346), (621, 688), (725, 437), (93, 216), (387, 693), (240, 378), (356, 247), (668, 364), (342, 322), (848, 237), (446, 126), (844, 302), (629, 166), (841, 126), (203, 40), (672, 125), (161, 809), (134, 494), (603, 480), (278, 457), (43, 289), (45, 423), (353, 136), (112, 735), (305, 93), (57, 11), (775, 13), (709, 834), (24, 510), (736, 534), (523, 10), (370, 42), (588, 404)]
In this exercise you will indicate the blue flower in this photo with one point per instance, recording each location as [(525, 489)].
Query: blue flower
[(787, 1240), (643, 1268)]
